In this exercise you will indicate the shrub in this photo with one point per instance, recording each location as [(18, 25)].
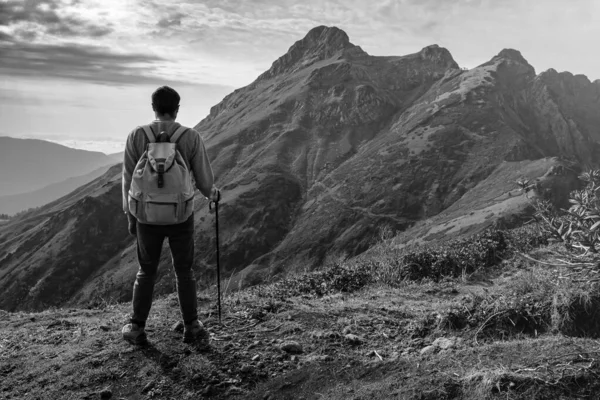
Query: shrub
[(536, 300), (579, 226), (456, 257), (338, 277)]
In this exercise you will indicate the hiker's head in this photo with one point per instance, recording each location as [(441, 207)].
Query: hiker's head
[(165, 102)]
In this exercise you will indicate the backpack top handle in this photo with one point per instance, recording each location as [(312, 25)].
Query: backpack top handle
[(173, 139)]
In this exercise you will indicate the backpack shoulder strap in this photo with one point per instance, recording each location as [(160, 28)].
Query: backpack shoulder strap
[(177, 134), (149, 133)]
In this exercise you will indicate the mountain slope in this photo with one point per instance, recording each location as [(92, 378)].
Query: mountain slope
[(278, 140), (358, 142), (326, 148), (18, 202), (46, 255), (34, 164)]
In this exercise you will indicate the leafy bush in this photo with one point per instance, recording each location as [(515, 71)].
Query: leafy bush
[(527, 237), (456, 257), (579, 226)]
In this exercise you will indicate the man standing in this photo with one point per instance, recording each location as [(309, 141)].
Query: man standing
[(152, 226)]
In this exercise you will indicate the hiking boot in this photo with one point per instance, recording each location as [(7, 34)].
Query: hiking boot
[(195, 332), (134, 334)]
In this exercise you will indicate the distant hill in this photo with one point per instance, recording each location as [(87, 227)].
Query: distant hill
[(31, 164), (118, 157), (15, 203)]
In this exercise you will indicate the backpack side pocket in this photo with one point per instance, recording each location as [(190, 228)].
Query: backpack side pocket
[(133, 206)]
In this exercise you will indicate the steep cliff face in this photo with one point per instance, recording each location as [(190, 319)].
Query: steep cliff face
[(566, 111), (327, 147)]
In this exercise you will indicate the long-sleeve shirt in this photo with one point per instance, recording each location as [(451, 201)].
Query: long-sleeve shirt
[(190, 145)]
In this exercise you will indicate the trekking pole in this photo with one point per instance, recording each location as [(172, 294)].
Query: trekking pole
[(218, 264)]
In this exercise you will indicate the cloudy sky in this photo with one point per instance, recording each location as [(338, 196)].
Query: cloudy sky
[(82, 71)]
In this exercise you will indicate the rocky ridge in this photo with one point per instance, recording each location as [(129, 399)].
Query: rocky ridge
[(320, 43)]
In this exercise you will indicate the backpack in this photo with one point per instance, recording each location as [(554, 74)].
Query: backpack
[(161, 191)]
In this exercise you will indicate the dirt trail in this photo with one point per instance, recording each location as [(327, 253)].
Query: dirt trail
[(361, 210)]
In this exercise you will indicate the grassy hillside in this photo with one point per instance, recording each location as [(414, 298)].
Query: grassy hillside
[(503, 327)]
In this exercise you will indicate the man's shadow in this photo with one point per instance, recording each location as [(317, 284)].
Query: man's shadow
[(169, 361)]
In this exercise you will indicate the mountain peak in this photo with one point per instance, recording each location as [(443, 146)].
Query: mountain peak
[(513, 55), (327, 35), (320, 43), (576, 83), (438, 54), (551, 73), (514, 64)]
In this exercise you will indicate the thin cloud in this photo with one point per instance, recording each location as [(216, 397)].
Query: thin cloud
[(171, 21), (77, 62), (45, 17), (5, 37), (52, 39)]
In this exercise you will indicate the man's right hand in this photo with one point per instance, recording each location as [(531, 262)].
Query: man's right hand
[(215, 194), (132, 227)]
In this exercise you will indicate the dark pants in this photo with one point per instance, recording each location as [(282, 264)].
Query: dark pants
[(150, 239)]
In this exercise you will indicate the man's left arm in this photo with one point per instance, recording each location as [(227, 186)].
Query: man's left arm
[(130, 159)]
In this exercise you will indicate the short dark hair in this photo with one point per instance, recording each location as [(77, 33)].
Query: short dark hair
[(165, 100)]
